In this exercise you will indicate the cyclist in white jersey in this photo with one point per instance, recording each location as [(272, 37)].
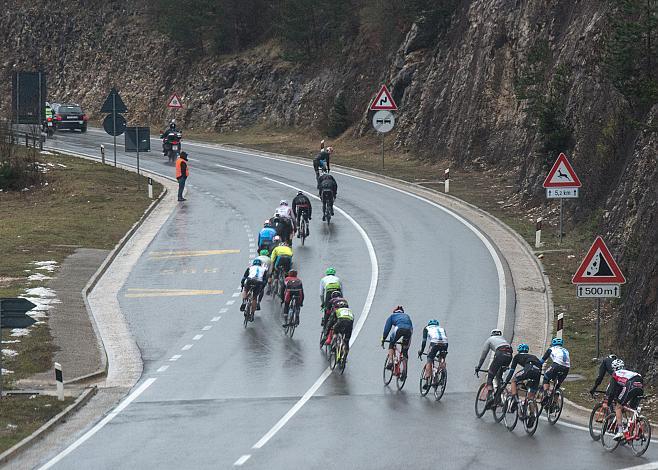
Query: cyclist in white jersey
[(559, 369), (438, 345)]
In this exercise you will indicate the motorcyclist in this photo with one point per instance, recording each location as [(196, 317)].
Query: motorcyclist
[(328, 191), (322, 160), (172, 129)]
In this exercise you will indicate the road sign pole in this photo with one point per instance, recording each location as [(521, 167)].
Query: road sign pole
[(114, 126), (138, 175), (560, 234), (382, 150), (598, 328)]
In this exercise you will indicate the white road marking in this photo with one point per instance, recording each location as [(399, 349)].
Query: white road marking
[(186, 347), (123, 405), (221, 310), (231, 168), (646, 466), (207, 327), (162, 369), (175, 357), (374, 276), (230, 302), (235, 294), (252, 245), (242, 460), (197, 337), (217, 318)]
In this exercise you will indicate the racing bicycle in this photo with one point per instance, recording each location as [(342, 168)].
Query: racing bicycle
[(397, 368), (523, 408), (637, 430), (497, 405), (292, 319), (338, 352), (554, 403), (437, 380)]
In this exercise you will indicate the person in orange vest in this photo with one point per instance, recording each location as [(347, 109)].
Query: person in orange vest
[(182, 172)]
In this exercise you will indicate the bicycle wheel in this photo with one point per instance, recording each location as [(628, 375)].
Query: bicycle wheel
[(555, 407), (343, 357), (608, 431), (401, 379), (640, 444), (294, 319), (440, 386), (498, 408), (481, 403), (424, 383), (332, 357), (531, 420), (302, 230), (510, 417), (594, 424), (387, 374), (247, 311)]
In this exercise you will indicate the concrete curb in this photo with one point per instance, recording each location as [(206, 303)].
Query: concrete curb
[(19, 447)]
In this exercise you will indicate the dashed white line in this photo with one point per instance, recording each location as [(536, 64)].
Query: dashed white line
[(186, 347), (222, 310), (206, 328), (231, 168), (216, 318), (163, 368), (230, 302), (242, 460), (175, 357), (235, 294), (197, 337)]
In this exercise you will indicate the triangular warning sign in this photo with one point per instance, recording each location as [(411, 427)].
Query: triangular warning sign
[(174, 102), (562, 175), (598, 267), (113, 103), (383, 101)]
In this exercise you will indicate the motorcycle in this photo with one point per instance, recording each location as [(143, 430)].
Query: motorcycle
[(171, 143), (48, 126)]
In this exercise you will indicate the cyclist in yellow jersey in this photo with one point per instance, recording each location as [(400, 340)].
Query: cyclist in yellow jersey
[(282, 258)]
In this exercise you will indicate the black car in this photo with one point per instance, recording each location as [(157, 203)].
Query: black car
[(70, 116)]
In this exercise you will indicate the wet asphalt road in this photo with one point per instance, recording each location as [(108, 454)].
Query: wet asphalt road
[(208, 400)]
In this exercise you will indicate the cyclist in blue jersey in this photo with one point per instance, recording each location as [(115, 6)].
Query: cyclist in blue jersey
[(399, 326), (266, 236)]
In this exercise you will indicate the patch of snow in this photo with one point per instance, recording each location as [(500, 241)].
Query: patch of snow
[(38, 277), (10, 341), (49, 266), (5, 371), (46, 152), (40, 292), (60, 165), (18, 332), (9, 353)]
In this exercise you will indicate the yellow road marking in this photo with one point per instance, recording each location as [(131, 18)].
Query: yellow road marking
[(185, 254), (140, 293)]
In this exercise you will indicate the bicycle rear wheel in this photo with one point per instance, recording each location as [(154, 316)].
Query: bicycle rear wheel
[(499, 406), (608, 431), (294, 320), (425, 383), (510, 417), (531, 420), (332, 357), (481, 403), (302, 230), (640, 444), (343, 357), (440, 386), (555, 407), (401, 379), (594, 425), (247, 311), (387, 374)]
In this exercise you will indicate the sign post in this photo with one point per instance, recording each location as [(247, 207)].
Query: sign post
[(13, 315), (561, 183), (598, 277), (383, 120)]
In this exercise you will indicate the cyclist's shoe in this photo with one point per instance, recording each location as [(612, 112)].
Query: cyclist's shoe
[(619, 436), (258, 306), (530, 420), (426, 386), (332, 211), (242, 307), (545, 401), (324, 218), (389, 366)]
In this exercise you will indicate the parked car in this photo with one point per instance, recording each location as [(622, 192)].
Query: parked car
[(70, 116)]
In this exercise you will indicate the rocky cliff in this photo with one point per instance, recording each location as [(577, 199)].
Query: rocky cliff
[(504, 83)]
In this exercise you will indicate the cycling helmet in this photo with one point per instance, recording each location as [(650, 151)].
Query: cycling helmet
[(292, 272), (267, 223), (398, 309), (617, 364), (330, 271), (612, 356), (264, 252), (336, 294), (433, 323), (523, 348), (496, 332), (256, 262), (557, 342), (283, 202), (276, 239), (300, 193)]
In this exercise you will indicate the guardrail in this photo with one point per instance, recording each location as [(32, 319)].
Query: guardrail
[(29, 137)]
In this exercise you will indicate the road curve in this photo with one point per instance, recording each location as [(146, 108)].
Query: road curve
[(214, 395)]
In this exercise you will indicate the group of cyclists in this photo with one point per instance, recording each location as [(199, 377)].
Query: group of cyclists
[(625, 387)]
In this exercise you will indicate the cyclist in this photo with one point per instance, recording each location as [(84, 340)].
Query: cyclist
[(438, 345), (301, 207), (253, 278), (329, 283), (626, 388), (531, 373), (335, 302), (604, 368), (265, 261), (328, 191), (340, 321), (559, 369), (266, 236), (322, 160), (502, 358), (285, 213), (293, 287), (281, 258), (399, 326)]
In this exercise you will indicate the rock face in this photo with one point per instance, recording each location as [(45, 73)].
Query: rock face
[(463, 87)]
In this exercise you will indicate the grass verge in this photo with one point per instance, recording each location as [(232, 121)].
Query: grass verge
[(20, 416), (493, 191)]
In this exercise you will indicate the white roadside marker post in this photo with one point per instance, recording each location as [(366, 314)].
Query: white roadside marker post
[(446, 178), (150, 185), (560, 325), (103, 154), (538, 233), (59, 378)]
